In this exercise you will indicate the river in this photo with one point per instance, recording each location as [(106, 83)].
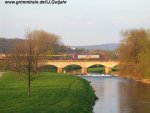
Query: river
[(120, 95)]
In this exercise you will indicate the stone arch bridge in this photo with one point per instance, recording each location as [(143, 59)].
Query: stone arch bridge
[(84, 64)]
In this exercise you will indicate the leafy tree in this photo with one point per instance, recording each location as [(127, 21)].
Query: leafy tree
[(28, 55), (134, 53), (144, 65)]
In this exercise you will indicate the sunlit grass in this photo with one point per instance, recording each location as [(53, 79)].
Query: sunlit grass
[(50, 93)]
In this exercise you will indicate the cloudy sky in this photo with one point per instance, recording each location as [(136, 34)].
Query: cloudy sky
[(80, 22)]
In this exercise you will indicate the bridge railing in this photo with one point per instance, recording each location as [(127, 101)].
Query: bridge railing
[(81, 60), (6, 57)]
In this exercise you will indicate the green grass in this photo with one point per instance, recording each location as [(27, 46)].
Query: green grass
[(72, 68), (50, 93), (96, 70), (100, 69), (115, 69)]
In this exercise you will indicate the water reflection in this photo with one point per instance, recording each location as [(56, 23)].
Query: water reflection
[(119, 95)]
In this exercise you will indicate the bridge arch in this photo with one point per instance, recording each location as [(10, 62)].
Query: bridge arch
[(94, 63), (72, 69), (96, 68), (73, 64), (48, 68), (115, 68)]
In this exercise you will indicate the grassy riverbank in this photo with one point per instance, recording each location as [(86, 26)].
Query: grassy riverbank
[(50, 93)]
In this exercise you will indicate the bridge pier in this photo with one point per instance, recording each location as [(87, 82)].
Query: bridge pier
[(107, 70), (59, 70), (84, 70)]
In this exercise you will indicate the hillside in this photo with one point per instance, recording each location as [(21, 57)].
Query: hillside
[(109, 46), (8, 44)]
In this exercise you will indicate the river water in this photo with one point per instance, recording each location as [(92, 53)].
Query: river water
[(120, 95)]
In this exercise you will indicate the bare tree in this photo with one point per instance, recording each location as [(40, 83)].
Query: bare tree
[(29, 54)]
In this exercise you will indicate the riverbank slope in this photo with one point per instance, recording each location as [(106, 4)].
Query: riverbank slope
[(130, 77)]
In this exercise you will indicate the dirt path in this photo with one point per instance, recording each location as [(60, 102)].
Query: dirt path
[(1, 73)]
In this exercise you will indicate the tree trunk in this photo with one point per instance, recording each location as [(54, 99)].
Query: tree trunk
[(29, 86), (29, 69)]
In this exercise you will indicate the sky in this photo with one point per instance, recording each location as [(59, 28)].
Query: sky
[(79, 22)]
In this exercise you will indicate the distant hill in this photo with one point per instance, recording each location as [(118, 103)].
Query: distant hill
[(6, 45), (109, 46)]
